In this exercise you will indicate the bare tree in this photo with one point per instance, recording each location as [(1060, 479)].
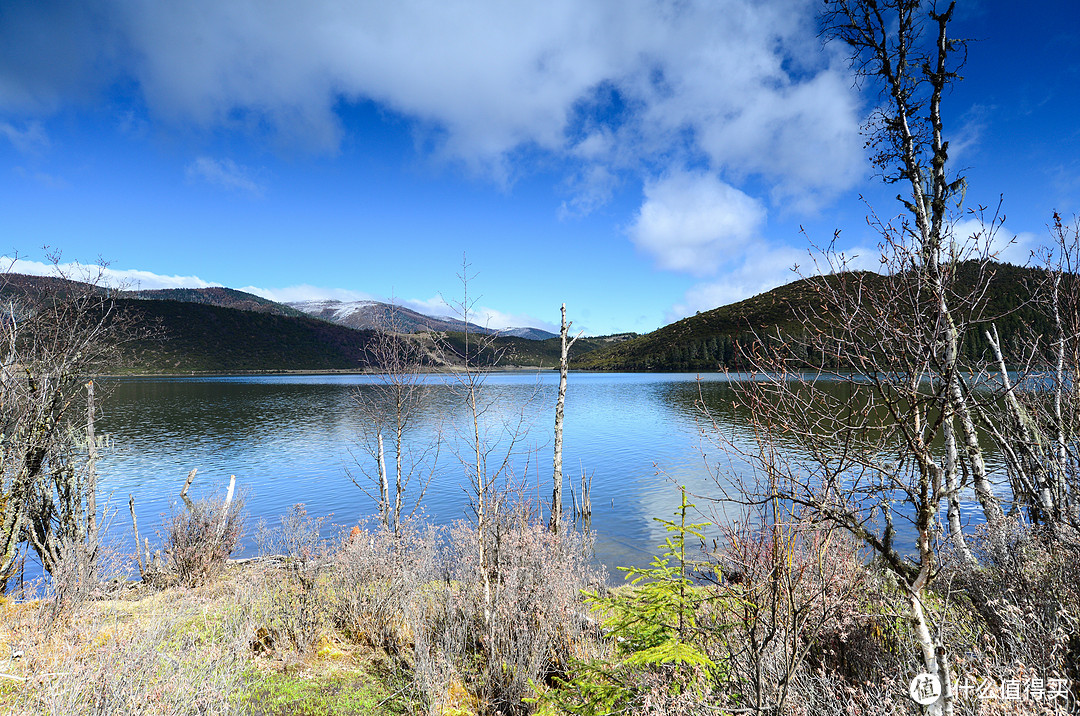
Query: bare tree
[(393, 405), (869, 402), (1039, 430), (557, 478), (492, 434), (55, 331), (873, 413), (907, 133)]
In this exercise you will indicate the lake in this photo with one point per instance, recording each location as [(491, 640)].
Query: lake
[(295, 439)]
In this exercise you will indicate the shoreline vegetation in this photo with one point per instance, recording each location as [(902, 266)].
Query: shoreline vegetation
[(797, 608), (376, 622)]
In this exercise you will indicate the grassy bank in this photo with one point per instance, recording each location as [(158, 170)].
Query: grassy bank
[(784, 620), (181, 650)]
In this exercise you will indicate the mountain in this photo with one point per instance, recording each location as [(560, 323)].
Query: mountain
[(185, 336), (17, 285), (361, 315), (532, 334), (225, 330), (702, 342), (512, 351), (195, 334), (215, 296), (375, 314), (710, 340)]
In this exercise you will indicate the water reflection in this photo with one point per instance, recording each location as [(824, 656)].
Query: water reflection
[(290, 439)]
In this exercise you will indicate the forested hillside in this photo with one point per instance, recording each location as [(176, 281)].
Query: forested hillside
[(711, 340), (184, 337)]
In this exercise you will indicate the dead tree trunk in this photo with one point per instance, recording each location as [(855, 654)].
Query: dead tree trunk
[(384, 485), (91, 472), (557, 477)]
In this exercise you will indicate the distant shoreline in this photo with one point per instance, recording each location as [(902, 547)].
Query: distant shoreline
[(314, 371)]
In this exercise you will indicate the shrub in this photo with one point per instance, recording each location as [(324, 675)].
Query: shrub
[(200, 539), (1026, 601), (535, 616), (295, 603), (378, 579), (487, 648)]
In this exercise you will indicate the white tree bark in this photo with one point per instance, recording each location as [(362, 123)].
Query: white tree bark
[(91, 470), (557, 477), (384, 487), (952, 490)]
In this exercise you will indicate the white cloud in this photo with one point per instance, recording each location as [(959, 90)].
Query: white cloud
[(224, 173), (968, 135), (498, 320), (478, 315), (44, 178), (590, 189), (147, 280), (115, 278), (434, 306), (30, 139), (624, 86), (763, 268), (1013, 248), (306, 292), (693, 222)]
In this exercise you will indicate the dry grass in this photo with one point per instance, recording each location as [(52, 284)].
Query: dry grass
[(417, 597), (376, 623), (179, 650), (140, 651)]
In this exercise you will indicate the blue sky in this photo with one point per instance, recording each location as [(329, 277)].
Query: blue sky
[(637, 160)]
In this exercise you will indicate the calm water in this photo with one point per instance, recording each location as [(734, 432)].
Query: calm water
[(294, 439)]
